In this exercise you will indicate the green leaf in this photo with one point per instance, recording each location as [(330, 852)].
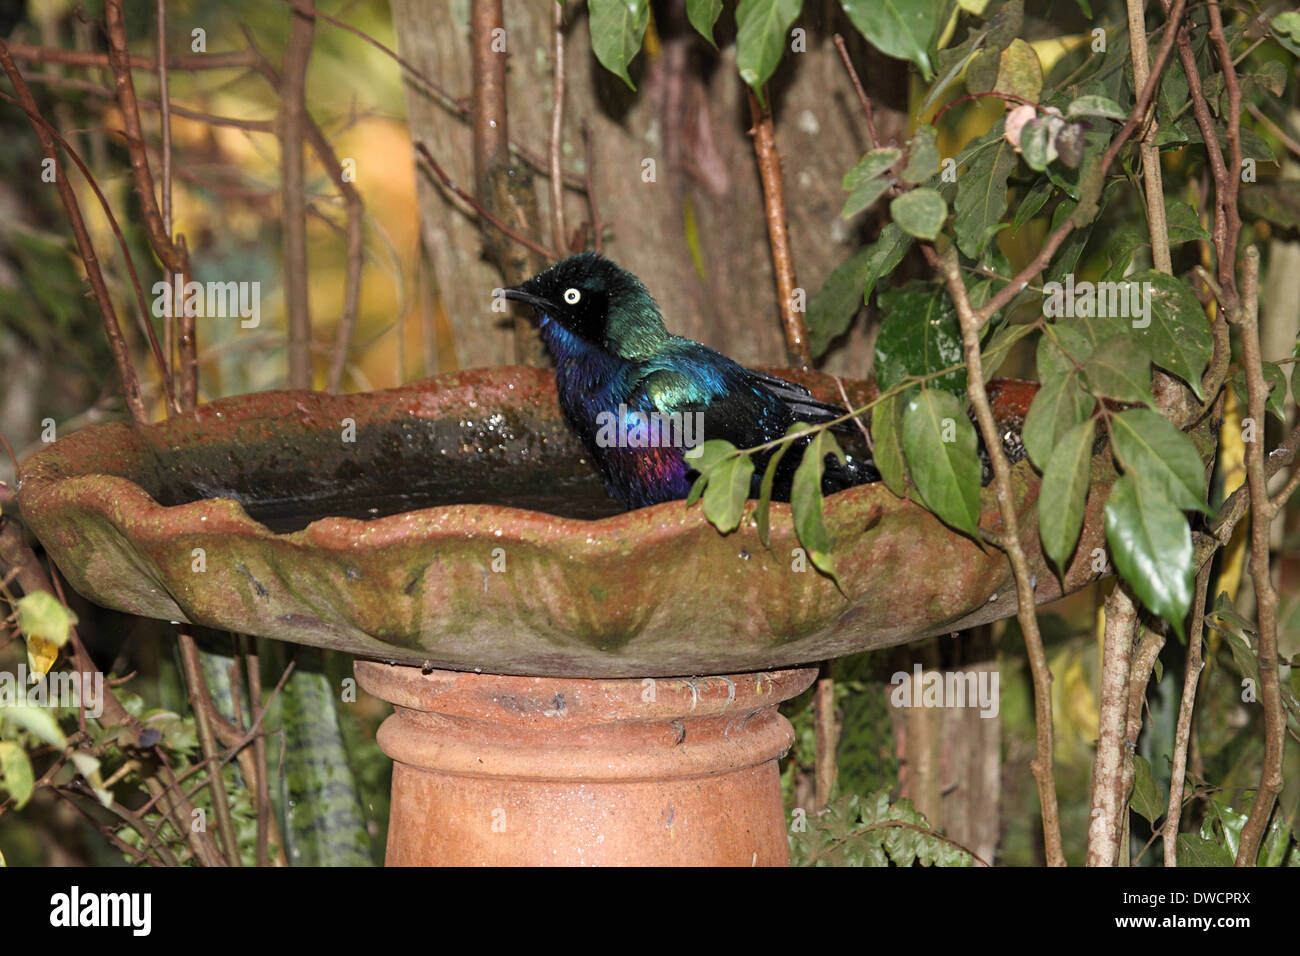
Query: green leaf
[(806, 502), (16, 769), (898, 28), (42, 615), (703, 14), (1033, 201), (1037, 142), (1179, 337), (982, 198), (995, 353), (1278, 838), (37, 721), (617, 29), (922, 156), (1275, 380), (727, 492), (866, 193), (1195, 850), (920, 212), (1059, 406), (1277, 201), (1286, 29), (1118, 371), (832, 309), (871, 165), (762, 28), (886, 432), (920, 335), (1157, 454), (1102, 106), (762, 513), (1152, 546), (946, 472), (1183, 225), (1064, 492), (704, 459), (961, 55), (1019, 72), (1146, 798)]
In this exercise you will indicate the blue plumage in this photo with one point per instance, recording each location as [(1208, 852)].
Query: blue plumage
[(639, 397)]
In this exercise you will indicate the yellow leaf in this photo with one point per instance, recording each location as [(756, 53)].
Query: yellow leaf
[(41, 654)]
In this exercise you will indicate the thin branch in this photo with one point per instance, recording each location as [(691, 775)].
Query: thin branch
[(121, 352), (479, 209), (1261, 517), (872, 139), (1186, 710), (1157, 225), (146, 325), (769, 171), (85, 58), (1274, 128), (557, 130), (165, 118), (203, 708), (172, 253), (971, 326)]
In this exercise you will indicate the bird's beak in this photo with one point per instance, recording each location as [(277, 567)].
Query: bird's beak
[(536, 301)]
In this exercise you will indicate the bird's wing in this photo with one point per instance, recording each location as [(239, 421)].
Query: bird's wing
[(796, 397), (733, 408)]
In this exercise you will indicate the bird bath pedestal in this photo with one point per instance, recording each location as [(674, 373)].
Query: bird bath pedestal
[(537, 641), (491, 769)]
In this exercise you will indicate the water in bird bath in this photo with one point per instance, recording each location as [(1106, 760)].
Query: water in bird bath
[(388, 468)]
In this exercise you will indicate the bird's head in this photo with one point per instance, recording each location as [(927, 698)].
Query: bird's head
[(597, 301)]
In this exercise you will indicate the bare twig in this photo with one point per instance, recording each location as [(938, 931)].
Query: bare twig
[(146, 326), (87, 58), (165, 118), (355, 220), (121, 352), (203, 708), (872, 139), (1273, 128), (769, 171), (1261, 517), (1155, 194), (1186, 709), (557, 131), (971, 326), (479, 208), (172, 253)]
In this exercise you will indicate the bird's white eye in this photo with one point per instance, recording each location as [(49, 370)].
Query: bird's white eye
[(572, 296)]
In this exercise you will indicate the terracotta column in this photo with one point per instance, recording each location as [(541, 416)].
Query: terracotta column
[(494, 770)]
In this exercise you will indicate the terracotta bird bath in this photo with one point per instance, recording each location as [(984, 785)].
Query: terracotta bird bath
[(553, 659)]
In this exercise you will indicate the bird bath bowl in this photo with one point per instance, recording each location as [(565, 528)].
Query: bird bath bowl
[(539, 642)]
